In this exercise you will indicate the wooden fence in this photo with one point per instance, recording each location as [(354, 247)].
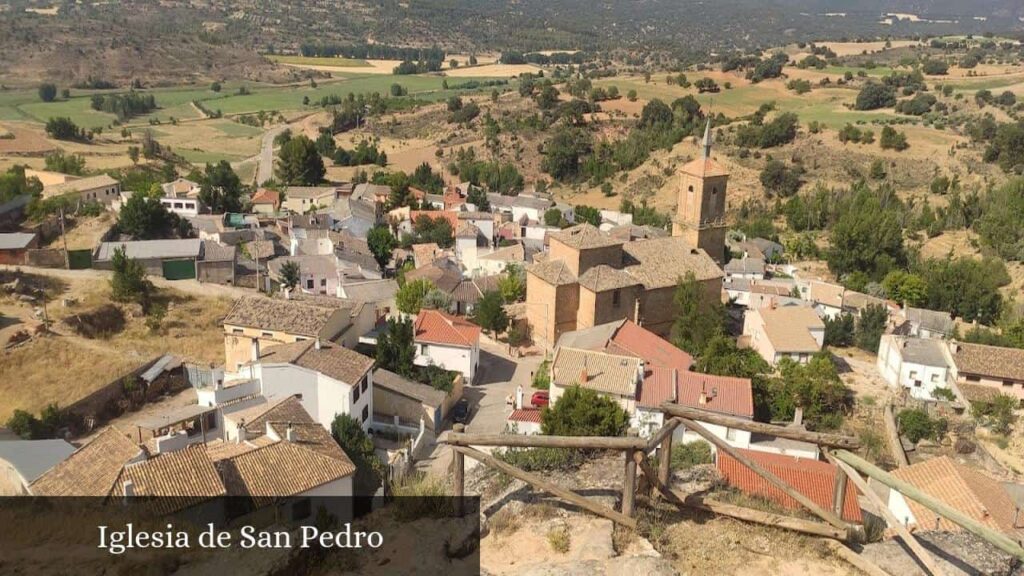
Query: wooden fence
[(636, 460)]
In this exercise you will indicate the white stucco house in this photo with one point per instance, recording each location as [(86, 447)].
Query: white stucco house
[(918, 365), (328, 379), (791, 332), (448, 342)]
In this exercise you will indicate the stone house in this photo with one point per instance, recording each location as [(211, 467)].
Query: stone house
[(590, 278), (255, 323)]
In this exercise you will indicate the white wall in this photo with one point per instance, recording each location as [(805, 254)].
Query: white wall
[(524, 428), (919, 379), (322, 397), (647, 422), (900, 509), (462, 360), (181, 206)]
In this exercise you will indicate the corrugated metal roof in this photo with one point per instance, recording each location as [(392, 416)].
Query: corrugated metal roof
[(15, 240), (148, 249)]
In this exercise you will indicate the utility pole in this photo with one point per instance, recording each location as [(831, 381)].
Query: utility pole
[(64, 238)]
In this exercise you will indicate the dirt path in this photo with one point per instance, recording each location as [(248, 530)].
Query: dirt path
[(187, 286)]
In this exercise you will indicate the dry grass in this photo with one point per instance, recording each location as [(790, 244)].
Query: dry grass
[(65, 368), (560, 539), (504, 521)]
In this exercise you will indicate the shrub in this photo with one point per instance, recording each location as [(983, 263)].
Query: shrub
[(690, 454), (559, 539), (583, 412), (540, 459), (917, 425), (996, 413)]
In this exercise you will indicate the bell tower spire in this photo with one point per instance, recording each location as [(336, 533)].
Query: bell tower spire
[(707, 140)]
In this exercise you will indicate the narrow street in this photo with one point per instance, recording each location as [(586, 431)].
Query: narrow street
[(499, 376)]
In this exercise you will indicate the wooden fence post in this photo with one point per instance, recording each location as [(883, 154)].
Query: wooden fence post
[(629, 480), (839, 492), (665, 460), (458, 473)]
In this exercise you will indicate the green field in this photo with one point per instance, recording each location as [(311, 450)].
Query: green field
[(319, 61)]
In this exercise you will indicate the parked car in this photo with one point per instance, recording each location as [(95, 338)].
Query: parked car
[(540, 399), (460, 413)]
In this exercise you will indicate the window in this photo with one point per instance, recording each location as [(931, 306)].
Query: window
[(366, 413), (355, 394), (1007, 382), (267, 334), (913, 374), (365, 384), (236, 330), (714, 190), (424, 350), (690, 189), (309, 284), (935, 377), (616, 298), (971, 378), (730, 434), (323, 281)]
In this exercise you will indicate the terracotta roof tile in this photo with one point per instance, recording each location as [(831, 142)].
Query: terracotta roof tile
[(553, 272), (183, 478), (450, 215), (330, 359), (662, 262), (91, 470), (812, 478), (434, 327), (654, 350), (606, 373), (704, 168), (583, 236), (531, 415), (992, 361), (265, 196), (726, 395), (279, 315), (789, 328), (602, 277), (659, 386), (963, 488), (280, 469)]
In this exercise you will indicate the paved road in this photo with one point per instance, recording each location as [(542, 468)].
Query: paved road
[(499, 376), (265, 160)]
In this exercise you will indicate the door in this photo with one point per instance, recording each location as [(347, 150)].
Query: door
[(179, 269)]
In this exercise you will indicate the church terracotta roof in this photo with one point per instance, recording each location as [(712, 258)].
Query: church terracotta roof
[(704, 168)]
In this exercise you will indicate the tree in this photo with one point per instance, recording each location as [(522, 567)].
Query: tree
[(62, 128), (143, 217), (381, 243), (916, 425), (586, 214), (874, 95), (220, 188), (563, 152), (436, 299), (905, 288), (478, 197), (553, 217), (290, 274), (840, 330), (935, 67), (722, 357), (129, 282), (349, 434), (133, 154), (966, 287), (513, 285), (997, 413), (867, 237), (409, 298), (893, 140), (877, 170), (699, 316), (815, 387), (215, 86), (489, 312), (583, 412), (871, 326), (47, 92), (395, 349), (58, 161), (299, 163), (780, 180)]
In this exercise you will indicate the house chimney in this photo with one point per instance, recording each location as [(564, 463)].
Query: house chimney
[(129, 488), (242, 432), (289, 434), (583, 376), (316, 343), (798, 416), (703, 398)]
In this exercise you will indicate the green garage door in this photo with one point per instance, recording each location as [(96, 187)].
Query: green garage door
[(179, 269)]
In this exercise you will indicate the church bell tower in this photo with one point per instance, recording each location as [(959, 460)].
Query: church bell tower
[(700, 213)]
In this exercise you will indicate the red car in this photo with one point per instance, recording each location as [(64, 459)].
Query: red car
[(539, 399)]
